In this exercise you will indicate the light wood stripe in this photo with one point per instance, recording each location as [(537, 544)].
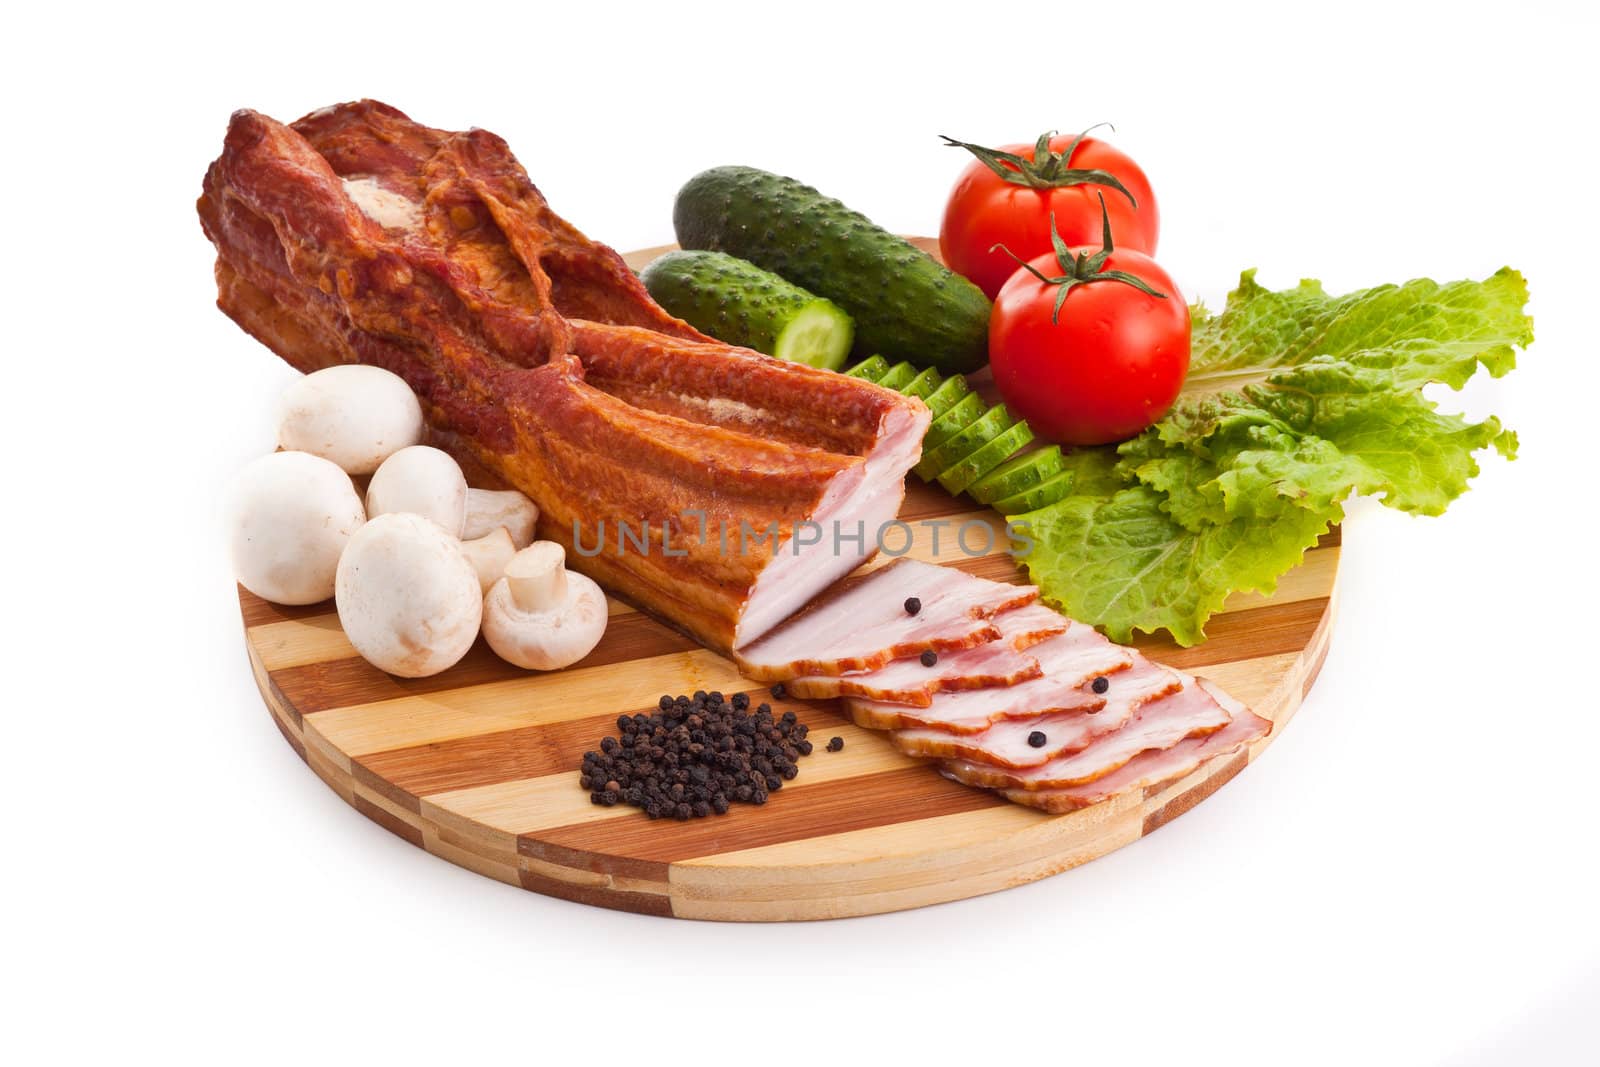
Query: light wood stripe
[(529, 805)]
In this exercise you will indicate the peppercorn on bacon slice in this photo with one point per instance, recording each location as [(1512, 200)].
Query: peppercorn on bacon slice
[(1072, 749), (863, 624), (1069, 662), (1153, 768), (1001, 662)]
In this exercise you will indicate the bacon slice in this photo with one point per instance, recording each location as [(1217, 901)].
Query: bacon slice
[(1000, 662), (1067, 663), (358, 235), (863, 624), (1004, 759), (1155, 769)]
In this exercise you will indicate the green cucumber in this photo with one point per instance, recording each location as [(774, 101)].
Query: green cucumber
[(738, 302), (923, 385), (967, 439), (1050, 490), (949, 393), (906, 305), (974, 465), (957, 416), (871, 369), (1019, 473), (899, 375)]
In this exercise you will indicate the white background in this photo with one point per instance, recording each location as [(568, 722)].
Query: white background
[(1410, 874)]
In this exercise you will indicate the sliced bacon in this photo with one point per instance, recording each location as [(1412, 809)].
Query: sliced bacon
[(1001, 662), (1006, 744), (1005, 761), (1068, 662), (1154, 769), (862, 625)]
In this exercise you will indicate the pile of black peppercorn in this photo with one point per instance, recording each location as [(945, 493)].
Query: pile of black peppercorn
[(694, 756)]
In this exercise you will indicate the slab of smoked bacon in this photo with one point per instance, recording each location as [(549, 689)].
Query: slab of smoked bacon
[(357, 235)]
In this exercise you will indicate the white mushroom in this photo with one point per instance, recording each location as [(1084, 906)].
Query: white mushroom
[(353, 415), (407, 597), (489, 555), (487, 509), (422, 481), (292, 515), (541, 615)]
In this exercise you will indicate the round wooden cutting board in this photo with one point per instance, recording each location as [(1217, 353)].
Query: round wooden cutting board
[(479, 765)]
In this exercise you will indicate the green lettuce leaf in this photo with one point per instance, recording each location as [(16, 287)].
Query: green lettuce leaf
[(1295, 401)]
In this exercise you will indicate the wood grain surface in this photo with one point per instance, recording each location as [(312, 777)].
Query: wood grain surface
[(479, 765)]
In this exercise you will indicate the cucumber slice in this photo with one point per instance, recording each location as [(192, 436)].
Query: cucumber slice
[(958, 415), (742, 304), (1046, 492), (976, 464), (1019, 473), (818, 335), (871, 369), (899, 375), (947, 396), (964, 441), (923, 385), (905, 303)]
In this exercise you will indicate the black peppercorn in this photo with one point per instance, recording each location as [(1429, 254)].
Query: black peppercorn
[(913, 605), (778, 692), (1100, 684), (1037, 739), (835, 744), (695, 756), (929, 658)]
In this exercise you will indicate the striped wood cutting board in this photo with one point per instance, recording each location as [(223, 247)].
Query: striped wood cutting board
[(478, 765)]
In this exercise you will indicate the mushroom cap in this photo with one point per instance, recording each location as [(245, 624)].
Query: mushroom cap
[(489, 510), (354, 415), (291, 516), (550, 639), (408, 599), (420, 480)]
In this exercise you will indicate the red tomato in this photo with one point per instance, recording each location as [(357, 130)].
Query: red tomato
[(1110, 364), (986, 209)]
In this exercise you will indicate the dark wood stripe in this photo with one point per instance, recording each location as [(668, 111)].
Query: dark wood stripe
[(536, 751), (395, 794), (274, 694), (1241, 635), (643, 903), (342, 683), (386, 820), (295, 743), (1180, 804), (258, 612), (905, 795)]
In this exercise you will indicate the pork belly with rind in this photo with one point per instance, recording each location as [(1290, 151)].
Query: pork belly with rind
[(863, 624), (1156, 768), (1000, 662), (1078, 748), (359, 236), (1067, 662)]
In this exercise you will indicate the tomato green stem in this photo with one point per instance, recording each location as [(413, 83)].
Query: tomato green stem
[(1047, 169), (1082, 268)]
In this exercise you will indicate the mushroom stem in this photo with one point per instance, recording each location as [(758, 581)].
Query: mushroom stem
[(537, 577)]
